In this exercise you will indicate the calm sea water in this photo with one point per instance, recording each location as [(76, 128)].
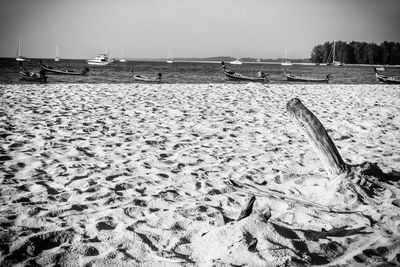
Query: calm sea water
[(185, 72)]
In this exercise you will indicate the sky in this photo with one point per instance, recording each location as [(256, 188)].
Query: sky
[(191, 28)]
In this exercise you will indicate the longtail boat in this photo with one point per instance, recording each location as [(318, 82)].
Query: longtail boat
[(52, 70), (386, 79), (296, 78), (144, 78), (233, 75)]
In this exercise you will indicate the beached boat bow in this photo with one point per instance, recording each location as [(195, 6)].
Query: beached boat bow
[(386, 79), (32, 76)]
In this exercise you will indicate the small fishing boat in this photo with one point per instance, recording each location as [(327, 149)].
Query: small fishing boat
[(296, 78), (144, 78), (233, 75), (32, 76), (52, 70), (386, 79), (100, 60)]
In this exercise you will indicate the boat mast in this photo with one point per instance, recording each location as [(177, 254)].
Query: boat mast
[(170, 57), (284, 60), (19, 48)]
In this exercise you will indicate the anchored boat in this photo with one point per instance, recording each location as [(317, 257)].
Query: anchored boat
[(52, 70), (233, 75)]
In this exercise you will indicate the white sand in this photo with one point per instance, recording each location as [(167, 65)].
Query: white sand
[(99, 174)]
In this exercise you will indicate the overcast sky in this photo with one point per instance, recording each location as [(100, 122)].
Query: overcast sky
[(191, 28)]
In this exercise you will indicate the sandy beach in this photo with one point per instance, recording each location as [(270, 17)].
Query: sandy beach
[(139, 175)]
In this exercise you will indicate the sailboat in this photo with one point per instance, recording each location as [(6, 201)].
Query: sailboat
[(170, 58), (19, 57), (285, 62), (335, 63), (57, 58), (122, 59)]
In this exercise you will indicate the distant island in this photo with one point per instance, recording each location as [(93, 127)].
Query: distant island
[(387, 53), (244, 59)]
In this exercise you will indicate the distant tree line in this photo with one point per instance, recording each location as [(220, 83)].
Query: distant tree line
[(387, 53)]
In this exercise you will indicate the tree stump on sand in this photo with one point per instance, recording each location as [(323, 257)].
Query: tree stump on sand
[(358, 184)]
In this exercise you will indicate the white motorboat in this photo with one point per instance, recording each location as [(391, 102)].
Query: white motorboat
[(236, 62), (100, 60)]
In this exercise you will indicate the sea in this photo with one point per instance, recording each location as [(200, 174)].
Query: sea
[(182, 72)]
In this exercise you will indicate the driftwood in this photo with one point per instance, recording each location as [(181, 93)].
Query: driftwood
[(364, 183), (317, 136)]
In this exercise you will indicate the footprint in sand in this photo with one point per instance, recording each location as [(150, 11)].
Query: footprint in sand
[(35, 244), (133, 211), (106, 223), (91, 251)]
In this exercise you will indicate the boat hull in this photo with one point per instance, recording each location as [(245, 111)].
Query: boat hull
[(337, 63), (295, 78), (245, 78), (235, 76), (143, 78), (21, 59), (51, 70), (97, 63), (306, 80), (146, 79), (387, 80)]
